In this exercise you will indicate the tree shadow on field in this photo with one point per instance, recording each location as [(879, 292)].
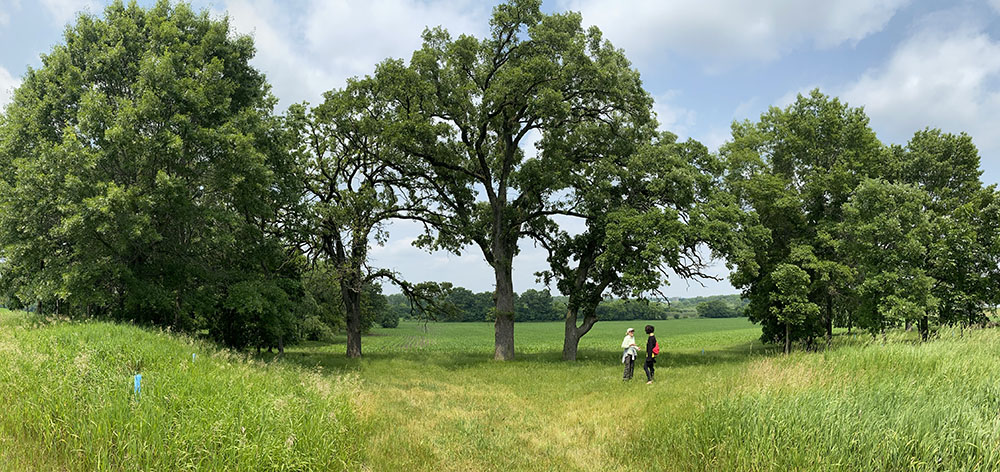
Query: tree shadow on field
[(734, 354)]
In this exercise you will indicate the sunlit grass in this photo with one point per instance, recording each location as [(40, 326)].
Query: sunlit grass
[(429, 397), (67, 401)]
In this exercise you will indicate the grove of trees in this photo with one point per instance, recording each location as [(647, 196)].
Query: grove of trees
[(843, 230), (145, 176)]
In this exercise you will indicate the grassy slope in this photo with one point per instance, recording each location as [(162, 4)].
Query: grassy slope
[(67, 402), (432, 400)]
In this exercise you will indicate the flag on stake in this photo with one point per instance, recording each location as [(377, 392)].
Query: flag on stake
[(138, 384)]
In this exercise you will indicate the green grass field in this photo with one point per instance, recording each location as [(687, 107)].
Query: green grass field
[(428, 397)]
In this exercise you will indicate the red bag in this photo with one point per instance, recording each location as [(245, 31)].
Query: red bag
[(656, 349)]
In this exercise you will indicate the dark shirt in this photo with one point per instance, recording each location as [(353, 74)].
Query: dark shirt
[(650, 344)]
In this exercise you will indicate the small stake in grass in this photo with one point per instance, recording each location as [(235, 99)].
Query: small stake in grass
[(138, 384)]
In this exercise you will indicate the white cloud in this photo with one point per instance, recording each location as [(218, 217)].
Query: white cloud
[(6, 8), (672, 117), (996, 5), (7, 85), (714, 138), (947, 80), (64, 11), (733, 30), (309, 50)]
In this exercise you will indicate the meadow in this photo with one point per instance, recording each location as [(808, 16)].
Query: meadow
[(428, 397)]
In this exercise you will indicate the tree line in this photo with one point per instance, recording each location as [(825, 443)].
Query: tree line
[(463, 305), (145, 176)]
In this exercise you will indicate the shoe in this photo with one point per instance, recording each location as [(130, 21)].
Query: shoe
[(649, 382)]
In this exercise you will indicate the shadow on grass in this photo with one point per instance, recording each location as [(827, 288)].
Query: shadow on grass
[(320, 355)]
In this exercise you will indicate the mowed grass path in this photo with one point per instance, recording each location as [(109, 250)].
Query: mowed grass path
[(428, 397), (434, 399)]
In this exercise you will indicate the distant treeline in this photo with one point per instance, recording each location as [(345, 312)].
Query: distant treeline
[(462, 304)]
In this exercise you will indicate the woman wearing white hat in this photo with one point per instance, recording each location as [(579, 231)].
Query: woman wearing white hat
[(631, 350)]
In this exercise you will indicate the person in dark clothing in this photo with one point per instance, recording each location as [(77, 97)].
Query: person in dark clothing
[(650, 357)]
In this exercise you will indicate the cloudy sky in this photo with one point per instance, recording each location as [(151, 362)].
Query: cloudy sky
[(910, 63)]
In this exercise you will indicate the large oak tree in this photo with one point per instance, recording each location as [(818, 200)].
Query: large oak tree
[(468, 108)]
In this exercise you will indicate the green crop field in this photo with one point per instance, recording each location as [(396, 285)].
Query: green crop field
[(427, 397)]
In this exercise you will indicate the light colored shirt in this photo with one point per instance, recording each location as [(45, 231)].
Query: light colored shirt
[(630, 349)]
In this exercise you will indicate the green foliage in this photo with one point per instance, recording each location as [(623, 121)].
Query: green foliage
[(793, 171), (889, 232), (843, 230), (536, 305), (718, 308), (464, 305), (354, 183), (963, 216), (141, 175), (467, 105), (326, 304), (654, 206)]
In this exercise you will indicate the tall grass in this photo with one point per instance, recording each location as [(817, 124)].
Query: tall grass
[(863, 406), (428, 397), (67, 402)]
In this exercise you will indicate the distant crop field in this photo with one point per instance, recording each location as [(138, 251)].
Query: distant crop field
[(547, 337)]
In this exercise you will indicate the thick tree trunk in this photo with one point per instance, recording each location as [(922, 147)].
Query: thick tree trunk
[(281, 344), (503, 332), (924, 328), (352, 303), (788, 338), (571, 341)]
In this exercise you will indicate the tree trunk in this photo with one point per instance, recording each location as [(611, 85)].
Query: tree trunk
[(281, 344), (503, 332), (788, 337), (924, 328), (571, 341), (177, 312), (829, 321), (352, 304)]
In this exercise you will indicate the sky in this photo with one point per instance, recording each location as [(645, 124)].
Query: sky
[(910, 63)]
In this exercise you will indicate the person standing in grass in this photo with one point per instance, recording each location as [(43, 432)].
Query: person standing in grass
[(650, 355), (629, 354)]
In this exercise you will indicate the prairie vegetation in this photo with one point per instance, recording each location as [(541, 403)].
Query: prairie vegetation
[(426, 398)]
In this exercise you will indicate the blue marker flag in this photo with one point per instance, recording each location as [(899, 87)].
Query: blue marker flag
[(138, 383)]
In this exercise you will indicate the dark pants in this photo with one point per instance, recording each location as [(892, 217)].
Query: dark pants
[(629, 368), (648, 367)]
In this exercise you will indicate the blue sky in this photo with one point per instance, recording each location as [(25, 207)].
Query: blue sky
[(910, 63)]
